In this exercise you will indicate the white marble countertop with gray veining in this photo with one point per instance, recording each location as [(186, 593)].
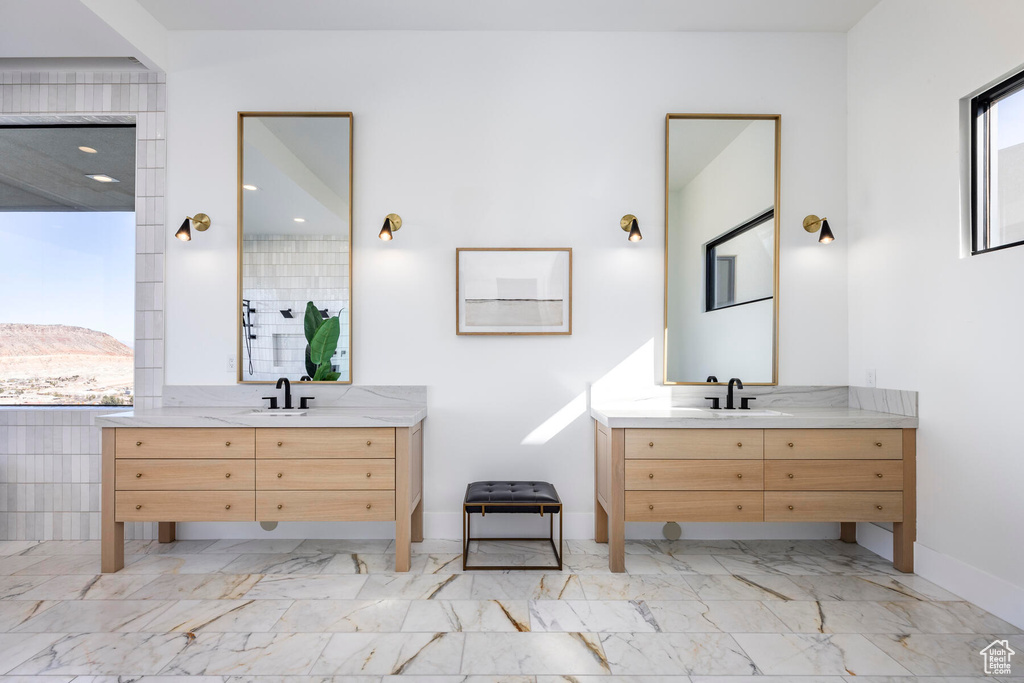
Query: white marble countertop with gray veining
[(247, 416), (627, 416)]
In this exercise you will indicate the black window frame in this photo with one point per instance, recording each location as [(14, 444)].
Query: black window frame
[(980, 105), (710, 266)]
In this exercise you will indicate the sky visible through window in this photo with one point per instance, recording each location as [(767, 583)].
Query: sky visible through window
[(67, 314)]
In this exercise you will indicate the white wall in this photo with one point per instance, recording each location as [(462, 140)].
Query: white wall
[(925, 318), (504, 139)]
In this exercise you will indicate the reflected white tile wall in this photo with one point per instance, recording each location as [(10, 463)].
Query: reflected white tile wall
[(49, 457)]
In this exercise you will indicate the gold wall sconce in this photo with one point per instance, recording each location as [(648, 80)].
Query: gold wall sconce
[(628, 224), (812, 224), (200, 221), (392, 224)]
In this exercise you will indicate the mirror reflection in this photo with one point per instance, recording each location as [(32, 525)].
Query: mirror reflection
[(721, 245), (295, 247)]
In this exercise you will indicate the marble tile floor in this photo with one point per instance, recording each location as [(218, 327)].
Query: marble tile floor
[(333, 611)]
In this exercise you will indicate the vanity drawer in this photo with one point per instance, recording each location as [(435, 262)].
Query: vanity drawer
[(694, 506), (694, 475), (177, 442), (157, 474), (694, 444), (834, 444), (845, 506), (185, 506), (342, 506), (320, 474), (325, 442), (833, 475)]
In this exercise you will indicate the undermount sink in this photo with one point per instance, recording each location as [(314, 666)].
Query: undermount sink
[(277, 412), (722, 412)]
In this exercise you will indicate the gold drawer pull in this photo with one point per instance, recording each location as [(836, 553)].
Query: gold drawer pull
[(739, 476), (280, 474), (138, 443), (739, 507), (227, 507), (368, 442), (367, 506), (279, 506), (138, 507), (879, 475), (739, 445), (651, 475), (790, 444), (790, 476), (650, 507), (879, 507), (227, 475), (280, 443), (790, 507), (138, 474), (367, 475), (227, 443), (878, 443), (651, 445)]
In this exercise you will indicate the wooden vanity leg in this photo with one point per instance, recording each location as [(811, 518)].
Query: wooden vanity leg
[(617, 511), (408, 478), (417, 523), (905, 533), (167, 531), (600, 514), (111, 532), (848, 532)]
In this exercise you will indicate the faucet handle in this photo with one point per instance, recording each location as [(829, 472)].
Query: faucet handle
[(273, 401), (303, 405), (745, 402), (714, 402)]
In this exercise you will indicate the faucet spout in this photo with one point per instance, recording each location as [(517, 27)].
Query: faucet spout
[(734, 382), (287, 392)]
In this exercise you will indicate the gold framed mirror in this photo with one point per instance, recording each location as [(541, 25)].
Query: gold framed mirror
[(722, 180), (294, 246)]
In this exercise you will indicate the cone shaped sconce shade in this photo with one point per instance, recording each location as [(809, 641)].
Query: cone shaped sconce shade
[(385, 232), (826, 233), (634, 232), (185, 231)]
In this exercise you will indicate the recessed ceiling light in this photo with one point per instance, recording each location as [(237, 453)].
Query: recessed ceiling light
[(87, 150), (251, 188), (102, 178), (299, 220)]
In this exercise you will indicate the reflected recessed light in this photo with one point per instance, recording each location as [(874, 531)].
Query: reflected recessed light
[(251, 188), (102, 178), (299, 220), (87, 150)]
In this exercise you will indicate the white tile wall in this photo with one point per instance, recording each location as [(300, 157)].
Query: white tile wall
[(49, 457), (285, 271)]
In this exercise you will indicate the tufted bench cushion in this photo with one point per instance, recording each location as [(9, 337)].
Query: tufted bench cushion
[(487, 496)]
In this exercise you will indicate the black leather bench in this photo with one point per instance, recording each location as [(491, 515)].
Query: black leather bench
[(512, 497)]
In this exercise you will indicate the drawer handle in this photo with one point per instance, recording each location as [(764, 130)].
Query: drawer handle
[(739, 445), (280, 443), (227, 443), (650, 507), (368, 442), (650, 445), (280, 474), (790, 507), (651, 475), (879, 507), (790, 476), (367, 506), (138, 443), (227, 475), (878, 443), (367, 475), (227, 507), (138, 474), (790, 444), (138, 507), (279, 506), (739, 507), (739, 476), (879, 475)]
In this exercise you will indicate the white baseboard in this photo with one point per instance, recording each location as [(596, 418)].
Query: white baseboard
[(1000, 597)]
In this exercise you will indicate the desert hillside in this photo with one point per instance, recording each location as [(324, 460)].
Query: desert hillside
[(60, 364)]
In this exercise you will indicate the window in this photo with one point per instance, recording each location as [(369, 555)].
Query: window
[(997, 166), (67, 265), (739, 265)]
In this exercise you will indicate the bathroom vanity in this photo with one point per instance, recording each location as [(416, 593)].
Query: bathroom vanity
[(829, 464), (190, 464)]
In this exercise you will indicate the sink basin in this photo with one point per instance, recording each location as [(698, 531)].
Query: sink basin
[(277, 412), (747, 413)]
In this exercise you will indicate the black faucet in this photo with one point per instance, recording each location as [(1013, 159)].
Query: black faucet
[(728, 400), (712, 378), (288, 392)]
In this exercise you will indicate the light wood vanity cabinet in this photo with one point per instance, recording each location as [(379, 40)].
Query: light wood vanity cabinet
[(754, 475), (170, 475)]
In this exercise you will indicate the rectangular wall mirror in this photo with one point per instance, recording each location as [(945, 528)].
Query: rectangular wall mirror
[(721, 248), (294, 246)]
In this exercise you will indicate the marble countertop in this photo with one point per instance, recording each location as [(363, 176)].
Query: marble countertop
[(824, 417), (243, 416)]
